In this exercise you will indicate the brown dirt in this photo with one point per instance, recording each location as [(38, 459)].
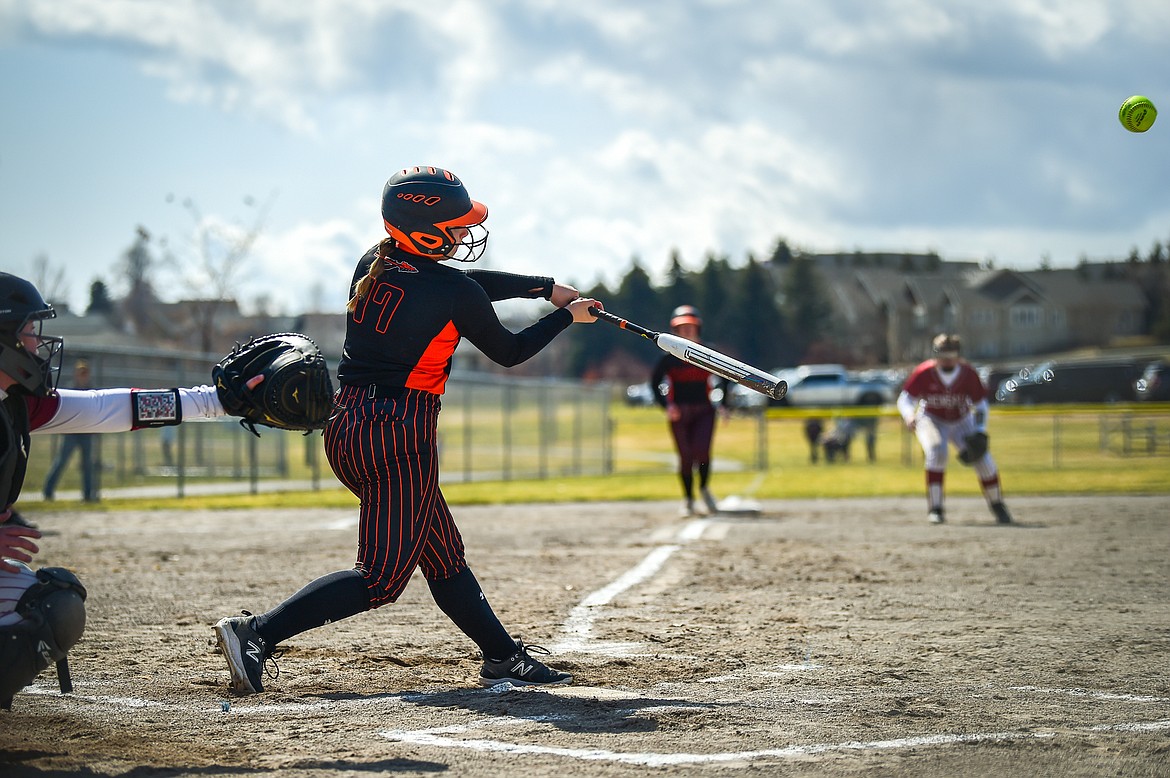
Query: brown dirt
[(824, 637)]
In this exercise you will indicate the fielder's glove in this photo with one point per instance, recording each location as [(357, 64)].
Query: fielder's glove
[(279, 381), (977, 443)]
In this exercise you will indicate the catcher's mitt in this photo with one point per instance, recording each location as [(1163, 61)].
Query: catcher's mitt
[(279, 381), (977, 443)]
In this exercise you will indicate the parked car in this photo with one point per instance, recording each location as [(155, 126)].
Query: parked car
[(833, 385), (639, 394), (1104, 381), (823, 386), (1154, 384)]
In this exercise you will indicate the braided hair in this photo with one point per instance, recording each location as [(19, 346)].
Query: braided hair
[(366, 282)]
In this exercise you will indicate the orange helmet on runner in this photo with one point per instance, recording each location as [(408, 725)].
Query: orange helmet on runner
[(685, 314)]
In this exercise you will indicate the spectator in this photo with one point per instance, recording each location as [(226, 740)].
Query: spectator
[(82, 442), (813, 428), (839, 440)]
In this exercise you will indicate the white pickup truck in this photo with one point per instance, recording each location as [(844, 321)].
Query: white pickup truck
[(833, 385)]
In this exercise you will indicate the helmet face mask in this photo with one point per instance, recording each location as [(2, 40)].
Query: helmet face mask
[(35, 369), (423, 209)]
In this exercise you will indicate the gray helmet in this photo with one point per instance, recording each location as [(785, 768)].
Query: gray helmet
[(21, 303)]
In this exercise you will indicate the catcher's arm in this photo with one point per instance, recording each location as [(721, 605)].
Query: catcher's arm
[(122, 410)]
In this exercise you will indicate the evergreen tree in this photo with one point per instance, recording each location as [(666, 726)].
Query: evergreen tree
[(807, 309), (754, 317), (781, 256), (99, 299), (713, 287), (680, 289)]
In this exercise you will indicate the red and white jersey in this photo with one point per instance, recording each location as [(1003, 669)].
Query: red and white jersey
[(945, 400)]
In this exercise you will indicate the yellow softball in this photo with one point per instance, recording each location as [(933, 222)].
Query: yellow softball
[(1137, 114)]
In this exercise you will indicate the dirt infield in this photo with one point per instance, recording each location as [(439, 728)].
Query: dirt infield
[(824, 637)]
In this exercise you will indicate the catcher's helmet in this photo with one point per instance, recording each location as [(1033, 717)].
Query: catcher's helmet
[(946, 345), (20, 303), (420, 205), (685, 314)]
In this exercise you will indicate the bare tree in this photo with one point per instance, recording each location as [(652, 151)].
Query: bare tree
[(50, 280), (218, 251), (137, 267)]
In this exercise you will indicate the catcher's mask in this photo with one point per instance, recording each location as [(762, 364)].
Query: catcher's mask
[(685, 314), (946, 346), (35, 369), (421, 206)]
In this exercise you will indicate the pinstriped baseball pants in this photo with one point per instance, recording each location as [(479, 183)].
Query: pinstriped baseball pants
[(384, 450)]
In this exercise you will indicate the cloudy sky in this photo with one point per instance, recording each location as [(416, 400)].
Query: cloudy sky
[(595, 131)]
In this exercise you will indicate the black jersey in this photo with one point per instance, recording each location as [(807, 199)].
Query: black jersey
[(680, 383), (405, 330)]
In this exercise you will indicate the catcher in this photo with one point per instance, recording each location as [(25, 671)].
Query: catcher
[(42, 612), (944, 401)]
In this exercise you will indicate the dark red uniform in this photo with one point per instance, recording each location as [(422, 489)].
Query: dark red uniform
[(688, 388), (678, 383)]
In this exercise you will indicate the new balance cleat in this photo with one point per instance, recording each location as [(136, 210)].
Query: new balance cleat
[(936, 516), (709, 501), (521, 669), (1001, 513), (245, 652)]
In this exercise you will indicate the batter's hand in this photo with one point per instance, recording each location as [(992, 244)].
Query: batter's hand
[(15, 544), (580, 309), (563, 294)]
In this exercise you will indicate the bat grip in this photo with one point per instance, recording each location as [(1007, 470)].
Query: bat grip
[(622, 323)]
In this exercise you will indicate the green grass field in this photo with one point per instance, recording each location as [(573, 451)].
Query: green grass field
[(1039, 451)]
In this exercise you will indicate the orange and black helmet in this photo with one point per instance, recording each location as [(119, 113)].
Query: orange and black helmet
[(420, 206), (685, 314)]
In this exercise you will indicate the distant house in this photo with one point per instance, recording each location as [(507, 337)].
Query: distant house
[(887, 308)]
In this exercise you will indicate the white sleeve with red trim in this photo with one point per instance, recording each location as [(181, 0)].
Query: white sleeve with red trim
[(907, 406), (120, 410)]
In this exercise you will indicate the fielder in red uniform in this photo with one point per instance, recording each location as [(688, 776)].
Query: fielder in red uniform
[(684, 390), (944, 401), (407, 313)]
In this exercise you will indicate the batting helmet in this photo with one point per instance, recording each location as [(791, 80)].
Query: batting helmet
[(421, 205), (685, 314), (946, 345), (21, 303)]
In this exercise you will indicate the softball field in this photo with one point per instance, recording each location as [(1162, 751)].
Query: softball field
[(825, 637)]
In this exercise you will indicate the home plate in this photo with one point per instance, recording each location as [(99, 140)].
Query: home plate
[(739, 506)]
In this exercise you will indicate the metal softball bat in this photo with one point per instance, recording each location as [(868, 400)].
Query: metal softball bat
[(701, 356)]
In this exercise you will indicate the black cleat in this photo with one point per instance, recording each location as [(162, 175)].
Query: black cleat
[(521, 669), (1001, 513), (245, 652), (936, 516)]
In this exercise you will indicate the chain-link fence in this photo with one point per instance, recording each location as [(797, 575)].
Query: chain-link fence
[(492, 428)]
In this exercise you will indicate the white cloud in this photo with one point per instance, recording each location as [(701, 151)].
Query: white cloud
[(599, 131)]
